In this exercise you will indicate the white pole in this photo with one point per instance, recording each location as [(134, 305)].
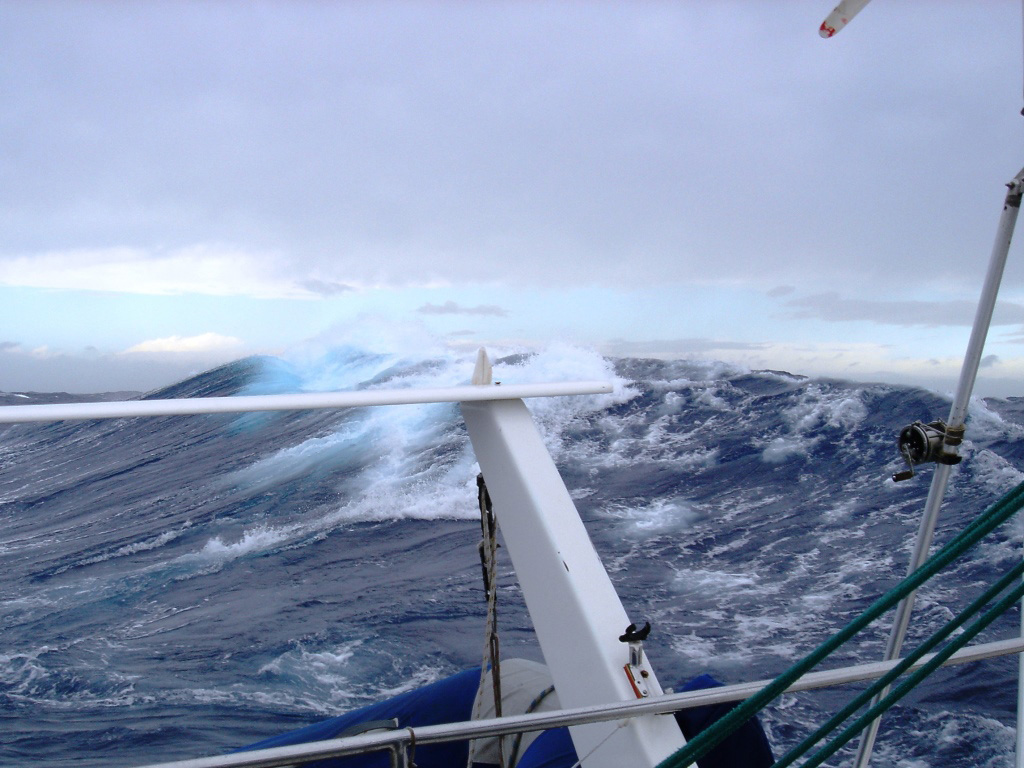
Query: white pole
[(13, 414), (1019, 751), (957, 415)]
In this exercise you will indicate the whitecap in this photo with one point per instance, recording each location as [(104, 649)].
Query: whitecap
[(254, 539), (782, 448), (658, 515)]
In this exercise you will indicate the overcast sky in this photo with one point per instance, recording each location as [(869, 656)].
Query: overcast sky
[(185, 183)]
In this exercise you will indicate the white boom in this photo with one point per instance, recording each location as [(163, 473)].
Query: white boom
[(12, 414)]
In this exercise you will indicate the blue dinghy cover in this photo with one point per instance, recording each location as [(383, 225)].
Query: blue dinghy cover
[(446, 701), (746, 747)]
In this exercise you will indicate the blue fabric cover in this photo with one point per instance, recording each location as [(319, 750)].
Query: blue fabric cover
[(446, 701), (746, 747)]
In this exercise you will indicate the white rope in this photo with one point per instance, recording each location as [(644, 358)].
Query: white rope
[(600, 744)]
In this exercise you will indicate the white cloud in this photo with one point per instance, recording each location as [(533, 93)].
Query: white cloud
[(203, 343), (209, 269)]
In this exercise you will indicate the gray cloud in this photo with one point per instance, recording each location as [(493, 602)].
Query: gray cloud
[(406, 143), (988, 361), (325, 287), (832, 307), (781, 290), (9, 346), (451, 308)]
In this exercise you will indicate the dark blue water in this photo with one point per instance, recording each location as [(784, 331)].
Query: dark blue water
[(177, 587)]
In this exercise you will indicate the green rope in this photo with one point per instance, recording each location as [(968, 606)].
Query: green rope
[(915, 679), (711, 736), (944, 632)]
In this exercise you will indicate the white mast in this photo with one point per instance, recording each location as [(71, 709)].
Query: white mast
[(576, 613)]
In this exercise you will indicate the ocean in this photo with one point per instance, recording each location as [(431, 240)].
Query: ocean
[(181, 586)]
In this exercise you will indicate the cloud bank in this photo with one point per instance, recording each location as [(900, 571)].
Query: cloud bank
[(453, 308)]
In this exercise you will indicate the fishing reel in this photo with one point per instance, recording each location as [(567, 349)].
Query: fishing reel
[(921, 443)]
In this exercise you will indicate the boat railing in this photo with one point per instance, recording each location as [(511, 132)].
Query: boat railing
[(400, 741)]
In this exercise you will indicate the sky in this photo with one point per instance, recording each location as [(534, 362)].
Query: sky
[(186, 183)]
